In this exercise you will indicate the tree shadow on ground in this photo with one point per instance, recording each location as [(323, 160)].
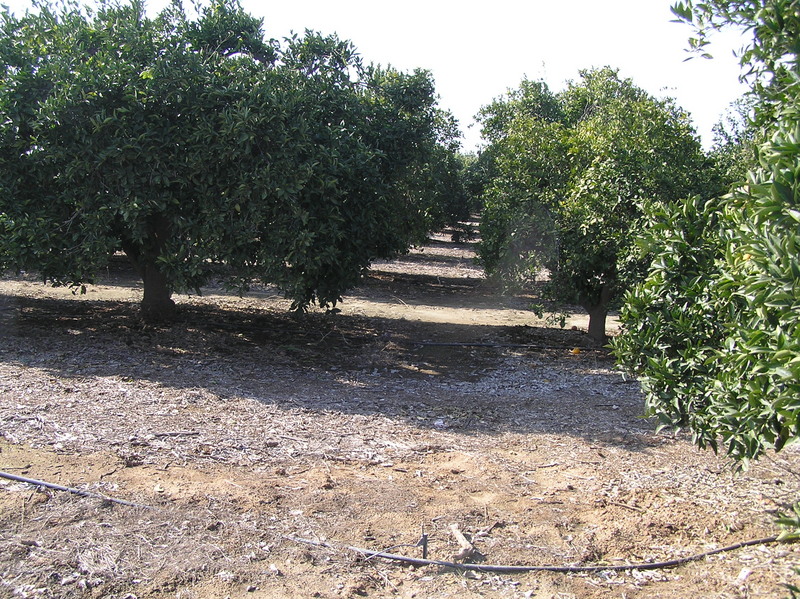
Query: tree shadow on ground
[(468, 378), (427, 257)]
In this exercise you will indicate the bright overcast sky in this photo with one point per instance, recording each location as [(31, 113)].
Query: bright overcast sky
[(476, 51)]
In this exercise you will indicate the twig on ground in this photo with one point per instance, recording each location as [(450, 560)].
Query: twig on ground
[(401, 301), (485, 531), (548, 465), (368, 553), (466, 549), (625, 505)]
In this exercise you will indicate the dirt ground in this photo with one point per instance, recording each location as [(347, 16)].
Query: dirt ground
[(428, 401)]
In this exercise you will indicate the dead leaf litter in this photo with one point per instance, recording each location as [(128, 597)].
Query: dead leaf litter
[(429, 405)]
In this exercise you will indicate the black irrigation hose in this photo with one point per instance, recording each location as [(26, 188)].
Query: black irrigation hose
[(368, 553), (491, 345), (81, 492), (531, 346)]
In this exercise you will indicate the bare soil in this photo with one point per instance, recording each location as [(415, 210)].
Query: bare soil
[(429, 400)]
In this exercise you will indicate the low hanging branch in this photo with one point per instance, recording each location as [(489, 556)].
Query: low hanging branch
[(369, 553), (81, 492)]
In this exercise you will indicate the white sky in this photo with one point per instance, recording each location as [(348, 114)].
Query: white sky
[(476, 51)]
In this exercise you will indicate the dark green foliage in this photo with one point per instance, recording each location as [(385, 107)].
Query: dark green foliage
[(517, 223), (759, 379), (203, 150), (713, 330), (675, 323), (533, 99)]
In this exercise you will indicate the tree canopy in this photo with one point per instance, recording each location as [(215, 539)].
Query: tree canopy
[(204, 150), (574, 170), (713, 330)]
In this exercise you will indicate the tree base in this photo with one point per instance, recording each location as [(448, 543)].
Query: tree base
[(158, 312), (597, 325)]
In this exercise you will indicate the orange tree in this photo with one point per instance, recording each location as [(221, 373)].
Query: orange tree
[(712, 331), (203, 150), (573, 171)]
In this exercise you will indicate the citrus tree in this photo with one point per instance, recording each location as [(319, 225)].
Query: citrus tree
[(736, 142), (712, 331), (575, 169), (203, 150)]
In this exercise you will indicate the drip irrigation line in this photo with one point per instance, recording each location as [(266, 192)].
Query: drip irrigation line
[(369, 553), (81, 492), (498, 345)]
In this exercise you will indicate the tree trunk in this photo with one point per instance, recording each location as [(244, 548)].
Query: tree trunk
[(157, 304), (597, 324), (598, 312)]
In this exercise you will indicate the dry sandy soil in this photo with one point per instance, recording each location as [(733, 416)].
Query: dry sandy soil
[(428, 401)]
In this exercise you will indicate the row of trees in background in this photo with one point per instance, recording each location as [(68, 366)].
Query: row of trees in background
[(204, 150)]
